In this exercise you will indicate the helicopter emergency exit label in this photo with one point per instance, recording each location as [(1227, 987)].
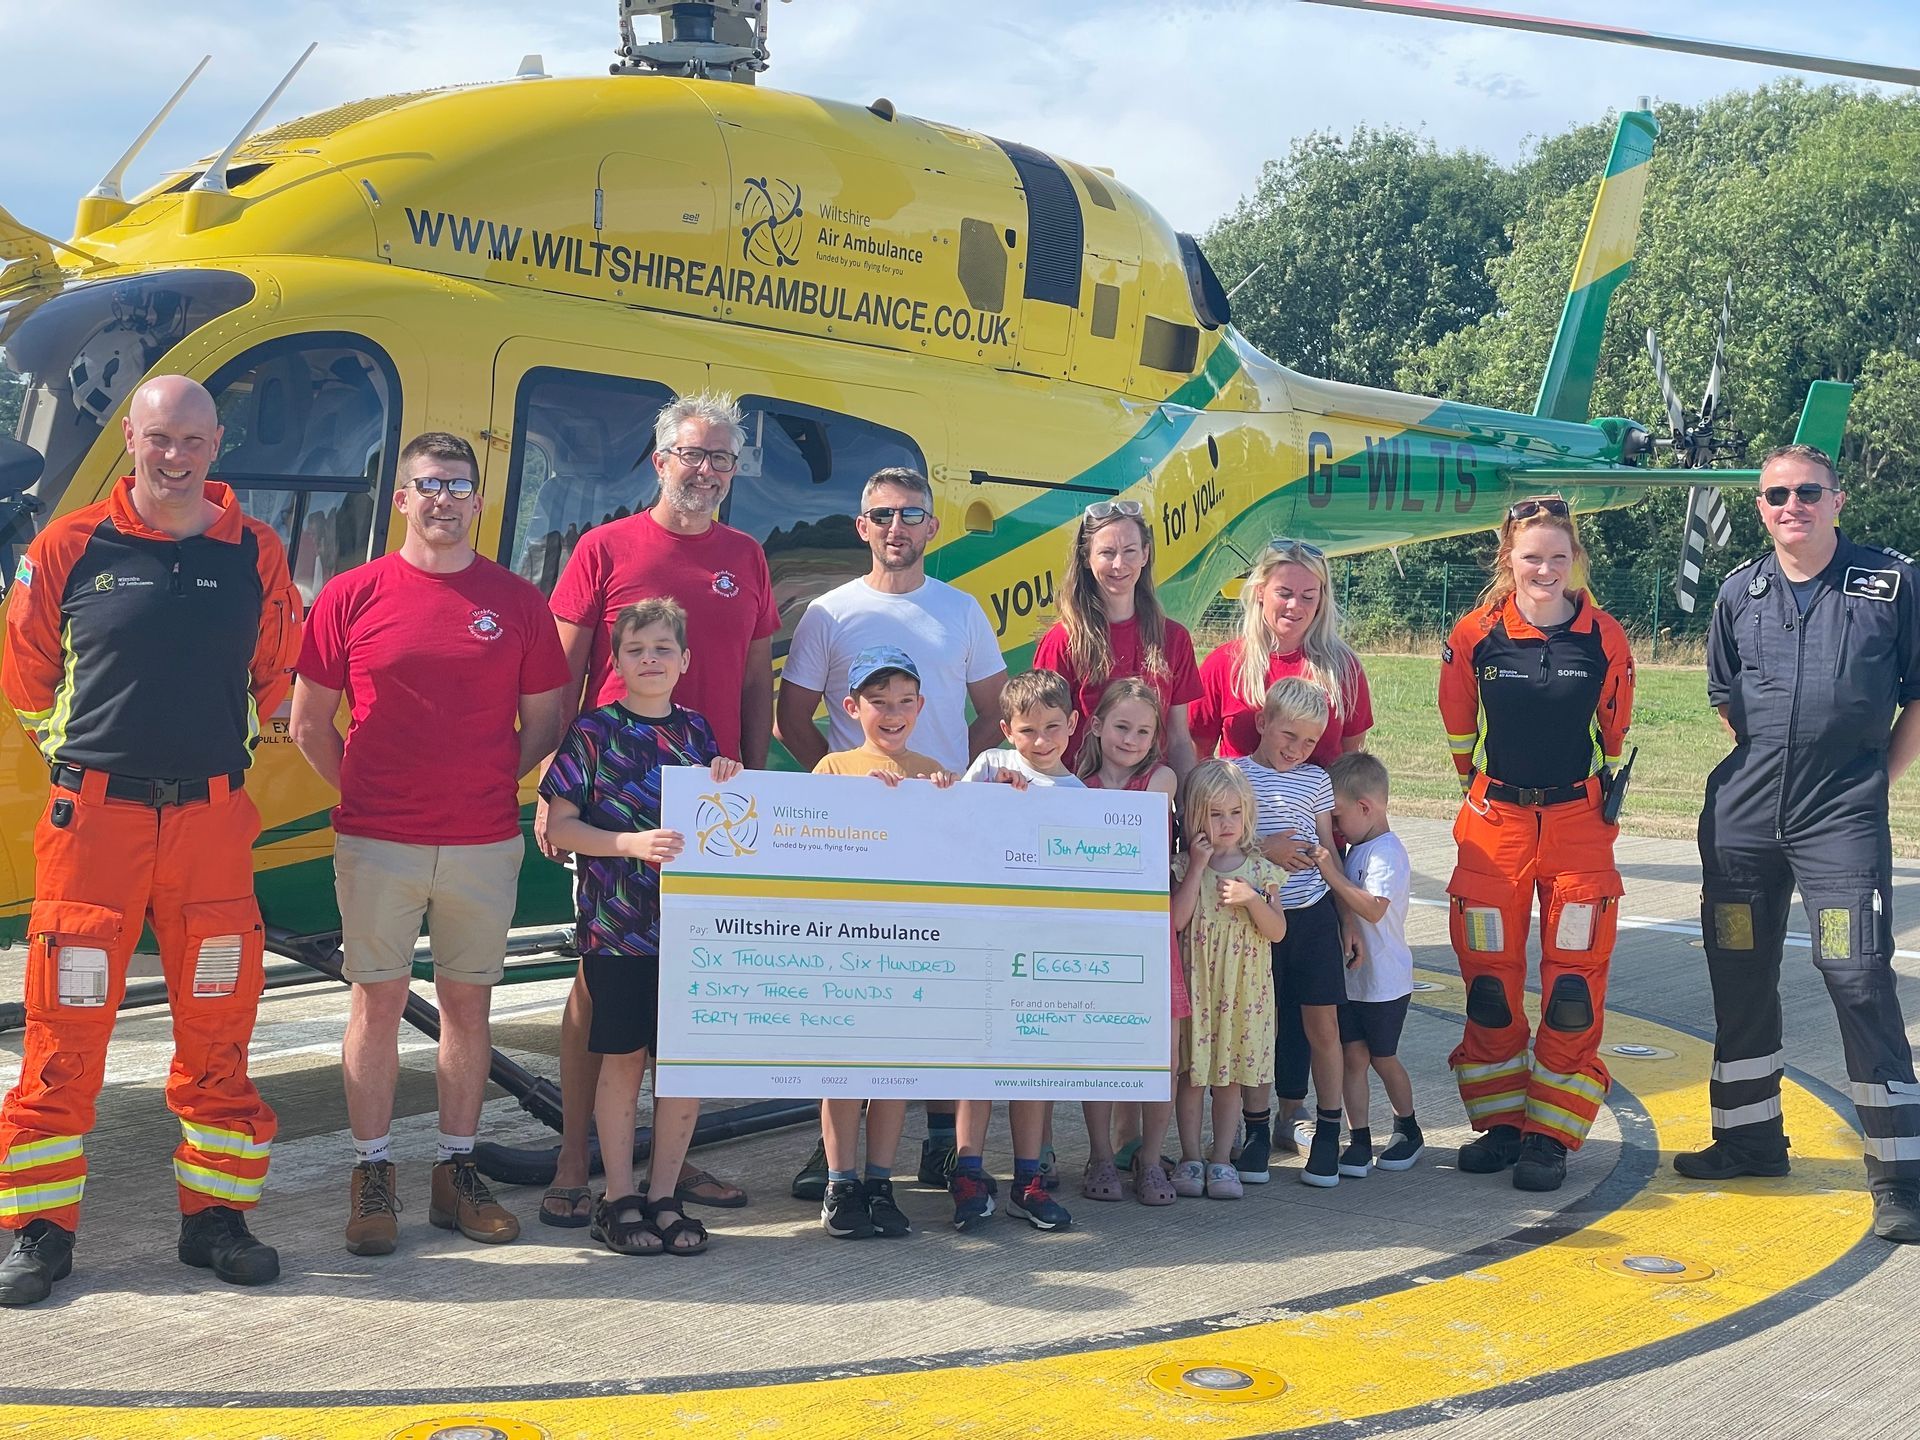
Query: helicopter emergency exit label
[(834, 936)]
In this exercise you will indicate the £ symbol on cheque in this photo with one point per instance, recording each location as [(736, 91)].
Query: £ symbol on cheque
[(1019, 966)]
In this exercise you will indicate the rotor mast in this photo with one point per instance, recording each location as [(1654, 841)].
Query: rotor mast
[(699, 39)]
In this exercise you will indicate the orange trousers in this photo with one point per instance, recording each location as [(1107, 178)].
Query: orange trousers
[(103, 867), (1508, 853)]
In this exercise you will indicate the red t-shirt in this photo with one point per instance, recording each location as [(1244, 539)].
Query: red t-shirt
[(1220, 716), (718, 576), (433, 667), (1178, 684)]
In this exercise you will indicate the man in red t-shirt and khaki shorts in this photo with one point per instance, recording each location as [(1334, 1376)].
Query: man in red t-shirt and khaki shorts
[(456, 686)]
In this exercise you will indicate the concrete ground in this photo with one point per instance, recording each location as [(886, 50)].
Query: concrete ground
[(555, 1316)]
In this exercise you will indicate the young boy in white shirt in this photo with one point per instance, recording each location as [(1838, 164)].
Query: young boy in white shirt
[(1373, 883)]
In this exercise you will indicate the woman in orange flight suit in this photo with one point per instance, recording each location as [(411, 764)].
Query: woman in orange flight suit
[(1536, 689)]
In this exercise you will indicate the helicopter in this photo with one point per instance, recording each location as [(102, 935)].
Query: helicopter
[(539, 263)]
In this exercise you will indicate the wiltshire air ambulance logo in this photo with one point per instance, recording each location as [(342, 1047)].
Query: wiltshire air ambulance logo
[(726, 824), (771, 225)]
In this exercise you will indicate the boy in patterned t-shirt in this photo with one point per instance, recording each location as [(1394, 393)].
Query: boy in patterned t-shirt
[(603, 795)]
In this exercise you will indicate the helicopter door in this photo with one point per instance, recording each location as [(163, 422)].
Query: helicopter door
[(572, 444)]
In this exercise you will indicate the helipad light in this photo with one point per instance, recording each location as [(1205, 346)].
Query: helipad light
[(1424, 985), (1230, 1384), (1640, 1052), (1668, 1269), (470, 1427)]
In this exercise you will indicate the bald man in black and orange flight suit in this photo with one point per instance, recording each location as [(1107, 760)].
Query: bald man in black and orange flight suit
[(147, 634)]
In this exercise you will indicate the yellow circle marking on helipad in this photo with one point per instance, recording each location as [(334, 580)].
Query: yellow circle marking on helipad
[(1548, 1309)]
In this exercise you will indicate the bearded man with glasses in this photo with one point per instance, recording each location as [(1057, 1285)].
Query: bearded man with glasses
[(1814, 647)]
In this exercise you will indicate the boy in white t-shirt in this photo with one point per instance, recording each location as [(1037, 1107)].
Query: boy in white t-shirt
[(1373, 884)]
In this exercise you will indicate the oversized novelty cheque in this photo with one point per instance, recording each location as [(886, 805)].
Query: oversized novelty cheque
[(831, 936)]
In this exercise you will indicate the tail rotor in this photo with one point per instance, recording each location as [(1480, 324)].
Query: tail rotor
[(1696, 447)]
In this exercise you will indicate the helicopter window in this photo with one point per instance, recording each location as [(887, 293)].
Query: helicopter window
[(797, 490), (581, 444), (312, 426), (69, 360)]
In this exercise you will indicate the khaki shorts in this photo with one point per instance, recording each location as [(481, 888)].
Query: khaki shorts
[(466, 894)]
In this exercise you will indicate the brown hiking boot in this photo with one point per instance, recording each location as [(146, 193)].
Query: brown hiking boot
[(462, 1201), (374, 1226)]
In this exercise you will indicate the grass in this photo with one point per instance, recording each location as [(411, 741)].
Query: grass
[(1680, 740)]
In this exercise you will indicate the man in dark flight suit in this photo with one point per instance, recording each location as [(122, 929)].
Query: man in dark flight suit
[(1813, 648)]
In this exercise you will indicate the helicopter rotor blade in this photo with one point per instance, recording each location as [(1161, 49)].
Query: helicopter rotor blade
[(1645, 39), (1676, 414), (1710, 402)]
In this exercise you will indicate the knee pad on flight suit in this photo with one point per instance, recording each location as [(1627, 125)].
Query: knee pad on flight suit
[(1487, 1003), (1569, 1006)]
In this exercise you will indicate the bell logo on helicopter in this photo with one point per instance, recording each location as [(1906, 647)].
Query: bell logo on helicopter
[(773, 229)]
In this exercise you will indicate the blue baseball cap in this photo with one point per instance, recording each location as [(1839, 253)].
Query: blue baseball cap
[(877, 660)]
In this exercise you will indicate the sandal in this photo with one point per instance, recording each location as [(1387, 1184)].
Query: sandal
[(1102, 1181), (1150, 1183), (670, 1234), (623, 1226), (697, 1187), (577, 1199)]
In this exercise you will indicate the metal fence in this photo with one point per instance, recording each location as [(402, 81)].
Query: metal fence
[(1413, 604)]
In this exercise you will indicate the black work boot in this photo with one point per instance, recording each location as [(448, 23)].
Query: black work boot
[(218, 1240), (1492, 1152), (1723, 1160), (42, 1253), (1896, 1213), (1542, 1164)]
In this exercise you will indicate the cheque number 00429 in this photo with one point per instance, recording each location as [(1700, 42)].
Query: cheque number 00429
[(1133, 821)]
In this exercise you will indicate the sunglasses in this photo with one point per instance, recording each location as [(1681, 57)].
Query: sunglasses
[(1808, 494), (1546, 505), (1107, 509), (431, 485), (882, 515), (694, 456), (1289, 547)]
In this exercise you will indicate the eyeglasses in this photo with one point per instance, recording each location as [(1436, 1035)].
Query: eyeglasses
[(694, 456), (882, 515), (431, 485), (1281, 545), (1808, 494), (1544, 505), (1107, 509)]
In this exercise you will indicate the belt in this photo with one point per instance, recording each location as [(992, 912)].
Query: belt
[(157, 793), (1521, 795)]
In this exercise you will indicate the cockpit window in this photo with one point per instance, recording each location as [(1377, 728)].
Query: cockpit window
[(69, 360)]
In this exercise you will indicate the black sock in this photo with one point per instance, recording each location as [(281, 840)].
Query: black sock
[(1256, 1121), (940, 1128), (1326, 1120), (1361, 1136), (1406, 1124)]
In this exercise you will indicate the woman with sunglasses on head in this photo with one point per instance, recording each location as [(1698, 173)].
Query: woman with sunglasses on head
[(1289, 627), (1536, 689)]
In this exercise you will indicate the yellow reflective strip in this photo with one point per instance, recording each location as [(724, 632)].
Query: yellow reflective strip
[(32, 719), (1560, 1119), (1470, 1073), (216, 1141), (41, 1152), (1497, 1104), (217, 1183), (31, 1199), (55, 735), (1573, 1084)]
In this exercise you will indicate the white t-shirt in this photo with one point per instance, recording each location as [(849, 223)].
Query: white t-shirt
[(1288, 801), (943, 629), (990, 763), (1380, 866)]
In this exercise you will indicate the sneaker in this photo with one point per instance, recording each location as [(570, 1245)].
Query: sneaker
[(938, 1162), (1723, 1160), (1356, 1160), (461, 1201), (1190, 1179), (1408, 1146), (1896, 1213), (972, 1193), (889, 1220), (42, 1253), (1492, 1152), (1542, 1165), (843, 1211), (373, 1226), (1034, 1205), (1323, 1157), (217, 1239), (1254, 1158), (1049, 1169), (811, 1182), (1223, 1183)]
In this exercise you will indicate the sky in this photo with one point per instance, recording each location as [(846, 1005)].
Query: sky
[(1184, 100)]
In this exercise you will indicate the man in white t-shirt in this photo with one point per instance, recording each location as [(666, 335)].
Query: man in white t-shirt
[(947, 633)]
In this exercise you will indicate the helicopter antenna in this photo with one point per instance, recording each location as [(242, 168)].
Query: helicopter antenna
[(213, 181), (109, 187), (699, 39)]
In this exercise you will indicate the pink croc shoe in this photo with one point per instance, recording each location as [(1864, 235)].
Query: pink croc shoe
[(1150, 1183)]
